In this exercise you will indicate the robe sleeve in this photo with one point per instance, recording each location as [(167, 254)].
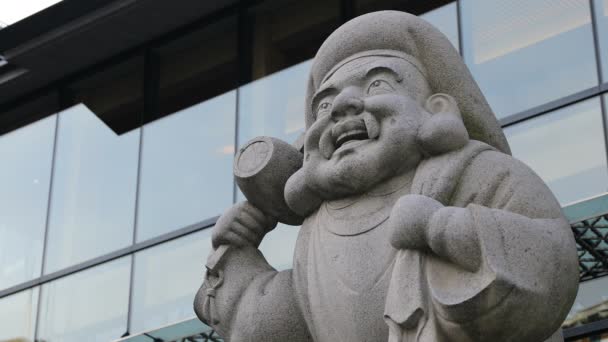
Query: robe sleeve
[(504, 253), (254, 302)]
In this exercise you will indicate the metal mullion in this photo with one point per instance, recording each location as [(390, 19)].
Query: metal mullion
[(63, 102), (600, 77), (149, 85), (459, 28), (550, 106), (208, 223)]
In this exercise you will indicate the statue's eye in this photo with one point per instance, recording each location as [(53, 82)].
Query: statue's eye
[(323, 109), (379, 87)]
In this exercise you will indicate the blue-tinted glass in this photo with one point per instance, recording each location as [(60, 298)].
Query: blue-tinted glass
[(591, 303), (87, 306), (274, 105), (26, 156), (93, 195), (166, 279), (18, 316), (278, 246), (186, 170), (445, 20), (601, 17), (526, 53), (566, 148)]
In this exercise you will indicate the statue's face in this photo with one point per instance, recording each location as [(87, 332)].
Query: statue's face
[(367, 117)]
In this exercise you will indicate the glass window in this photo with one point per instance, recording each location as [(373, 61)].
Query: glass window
[(18, 316), (601, 17), (90, 305), (289, 32), (591, 303), (25, 174), (166, 279), (186, 170), (566, 148), (526, 53), (93, 196), (274, 105)]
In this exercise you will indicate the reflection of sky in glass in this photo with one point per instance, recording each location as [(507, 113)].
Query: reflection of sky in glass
[(274, 105), (445, 20), (93, 195), (26, 156), (18, 315), (166, 279), (186, 170), (566, 148), (88, 306), (525, 53), (590, 293), (601, 17)]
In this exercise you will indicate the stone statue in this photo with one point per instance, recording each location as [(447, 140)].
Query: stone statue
[(418, 225)]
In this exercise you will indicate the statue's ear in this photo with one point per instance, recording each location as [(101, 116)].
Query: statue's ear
[(444, 131)]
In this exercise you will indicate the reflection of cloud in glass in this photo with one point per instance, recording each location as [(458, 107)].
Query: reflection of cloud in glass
[(18, 315), (26, 156), (93, 197), (566, 148), (166, 279), (186, 166), (274, 105), (228, 149), (513, 25)]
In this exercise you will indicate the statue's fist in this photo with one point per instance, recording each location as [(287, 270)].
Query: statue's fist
[(409, 220), (242, 225)]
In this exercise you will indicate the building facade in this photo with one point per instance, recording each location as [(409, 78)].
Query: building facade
[(119, 121)]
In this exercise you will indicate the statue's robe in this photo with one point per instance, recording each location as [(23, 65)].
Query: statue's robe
[(501, 259)]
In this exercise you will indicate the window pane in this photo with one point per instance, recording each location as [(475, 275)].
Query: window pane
[(591, 303), (274, 105), (93, 195), (289, 32), (18, 316), (166, 279), (601, 17), (526, 53), (186, 172), (26, 156), (566, 148), (90, 305)]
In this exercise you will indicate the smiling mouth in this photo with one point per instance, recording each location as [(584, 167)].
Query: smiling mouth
[(346, 135), (351, 136)]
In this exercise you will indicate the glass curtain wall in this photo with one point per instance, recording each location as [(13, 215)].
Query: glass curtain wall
[(128, 168)]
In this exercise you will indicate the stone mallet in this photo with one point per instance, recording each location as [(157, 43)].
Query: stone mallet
[(261, 169)]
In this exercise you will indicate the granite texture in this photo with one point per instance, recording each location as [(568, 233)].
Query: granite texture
[(418, 225)]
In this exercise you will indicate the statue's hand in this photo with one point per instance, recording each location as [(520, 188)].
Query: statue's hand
[(409, 221), (242, 225)]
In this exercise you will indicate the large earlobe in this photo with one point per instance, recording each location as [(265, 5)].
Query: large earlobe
[(444, 130), (299, 196)]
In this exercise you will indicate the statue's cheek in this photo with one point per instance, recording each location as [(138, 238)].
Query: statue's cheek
[(390, 105)]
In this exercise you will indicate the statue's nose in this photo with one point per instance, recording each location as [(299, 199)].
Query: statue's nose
[(347, 103)]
